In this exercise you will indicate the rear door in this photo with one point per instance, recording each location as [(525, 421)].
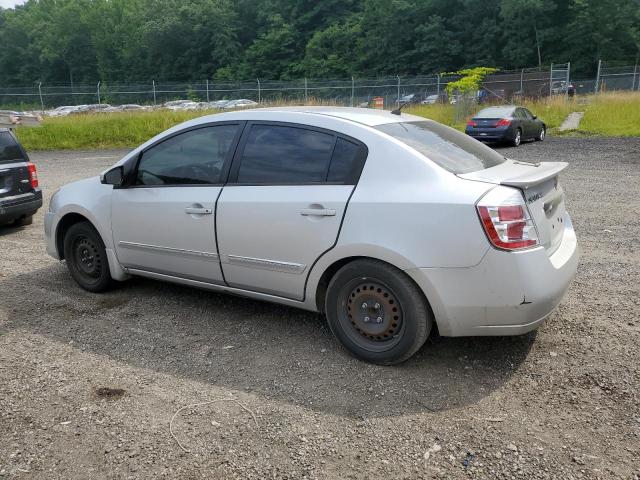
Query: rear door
[(14, 175), (283, 205)]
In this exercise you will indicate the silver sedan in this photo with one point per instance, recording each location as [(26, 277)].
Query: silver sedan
[(390, 224)]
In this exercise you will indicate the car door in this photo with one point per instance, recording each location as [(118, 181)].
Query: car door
[(534, 124), (163, 221), (283, 205), (527, 124)]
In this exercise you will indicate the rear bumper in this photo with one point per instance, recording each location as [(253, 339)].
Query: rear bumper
[(490, 134), (507, 293), (19, 206)]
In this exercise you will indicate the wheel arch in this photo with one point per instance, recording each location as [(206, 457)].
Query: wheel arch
[(65, 223)]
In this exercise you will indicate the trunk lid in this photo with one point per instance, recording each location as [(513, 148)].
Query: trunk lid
[(486, 122), (14, 174), (542, 192)]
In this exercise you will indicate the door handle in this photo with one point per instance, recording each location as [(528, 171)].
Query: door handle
[(198, 211), (318, 212)]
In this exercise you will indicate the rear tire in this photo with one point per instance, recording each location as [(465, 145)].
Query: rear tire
[(24, 221), (517, 138), (86, 258), (541, 136), (377, 313)]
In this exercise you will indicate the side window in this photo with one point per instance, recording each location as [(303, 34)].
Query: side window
[(9, 149), (345, 157), (518, 114), (285, 155), (190, 158), (527, 114)]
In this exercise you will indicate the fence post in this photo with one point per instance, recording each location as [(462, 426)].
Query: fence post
[(207, 90), (633, 83), (568, 78), (353, 89), (398, 89), (551, 81), (522, 83), (40, 93), (98, 89), (154, 92), (438, 87), (306, 92), (597, 88), (259, 95)]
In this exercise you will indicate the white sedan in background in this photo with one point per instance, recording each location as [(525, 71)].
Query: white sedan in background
[(391, 225)]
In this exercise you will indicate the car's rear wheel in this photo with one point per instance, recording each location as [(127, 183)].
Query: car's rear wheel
[(542, 134), (517, 138), (377, 312), (86, 258)]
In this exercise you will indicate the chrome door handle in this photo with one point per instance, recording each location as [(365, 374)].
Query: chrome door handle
[(198, 211), (318, 212)]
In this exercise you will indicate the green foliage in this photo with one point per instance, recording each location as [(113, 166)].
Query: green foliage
[(470, 80), (76, 41)]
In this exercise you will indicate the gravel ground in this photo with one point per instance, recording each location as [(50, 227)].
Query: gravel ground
[(89, 383)]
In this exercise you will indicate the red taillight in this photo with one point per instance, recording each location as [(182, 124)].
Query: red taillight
[(33, 174), (506, 219), (471, 123), (503, 122)]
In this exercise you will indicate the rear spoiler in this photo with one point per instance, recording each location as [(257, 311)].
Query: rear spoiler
[(543, 172)]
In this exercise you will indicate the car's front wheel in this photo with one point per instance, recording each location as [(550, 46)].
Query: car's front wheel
[(542, 134), (377, 312), (86, 258), (517, 138)]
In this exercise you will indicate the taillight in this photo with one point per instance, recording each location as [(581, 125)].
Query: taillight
[(503, 122), (506, 219), (471, 123), (33, 174)]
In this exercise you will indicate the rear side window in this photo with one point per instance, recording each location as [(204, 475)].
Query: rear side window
[(276, 154), (448, 148), (195, 157), (345, 160), (9, 148)]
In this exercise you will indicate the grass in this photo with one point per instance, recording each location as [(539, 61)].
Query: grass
[(613, 114), (101, 130), (610, 114)]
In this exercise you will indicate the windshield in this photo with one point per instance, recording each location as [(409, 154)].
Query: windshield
[(494, 112), (448, 148)]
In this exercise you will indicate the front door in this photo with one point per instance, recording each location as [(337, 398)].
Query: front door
[(164, 222), (283, 206)]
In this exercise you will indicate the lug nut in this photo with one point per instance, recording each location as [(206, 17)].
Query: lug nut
[(366, 319), (364, 305), (377, 305), (379, 319)]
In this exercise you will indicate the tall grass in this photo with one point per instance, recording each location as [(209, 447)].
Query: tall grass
[(613, 114)]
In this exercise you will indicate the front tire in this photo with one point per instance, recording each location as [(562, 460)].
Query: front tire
[(86, 258), (543, 133), (377, 312)]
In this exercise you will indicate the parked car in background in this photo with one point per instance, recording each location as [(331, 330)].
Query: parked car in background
[(241, 103), (430, 100), (409, 99), (63, 111), (506, 124), (20, 194), (11, 118), (388, 224)]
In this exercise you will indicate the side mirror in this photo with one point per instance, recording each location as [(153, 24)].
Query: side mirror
[(535, 117), (114, 177)]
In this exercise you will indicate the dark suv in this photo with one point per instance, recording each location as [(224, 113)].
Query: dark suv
[(20, 196)]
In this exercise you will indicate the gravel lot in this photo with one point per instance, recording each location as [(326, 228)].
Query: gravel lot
[(560, 403)]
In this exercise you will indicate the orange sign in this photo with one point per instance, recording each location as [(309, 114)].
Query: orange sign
[(378, 102)]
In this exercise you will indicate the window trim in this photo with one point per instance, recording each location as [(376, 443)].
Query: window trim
[(131, 175), (352, 178)]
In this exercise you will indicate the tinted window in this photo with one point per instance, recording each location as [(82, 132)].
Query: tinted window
[(527, 114), (278, 154), (343, 162), (191, 158), (495, 112), (9, 149), (444, 146)]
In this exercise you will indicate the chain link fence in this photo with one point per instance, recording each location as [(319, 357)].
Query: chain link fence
[(505, 86)]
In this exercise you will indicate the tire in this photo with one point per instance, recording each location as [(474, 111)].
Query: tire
[(377, 312), (543, 133), (24, 221), (86, 258), (517, 138)]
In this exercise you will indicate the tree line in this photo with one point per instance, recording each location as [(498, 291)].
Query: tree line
[(62, 41)]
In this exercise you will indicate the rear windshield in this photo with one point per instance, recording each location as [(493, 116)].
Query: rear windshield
[(9, 149), (494, 112), (450, 149)]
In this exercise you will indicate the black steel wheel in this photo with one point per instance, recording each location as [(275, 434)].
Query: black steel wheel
[(86, 258), (377, 312)]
